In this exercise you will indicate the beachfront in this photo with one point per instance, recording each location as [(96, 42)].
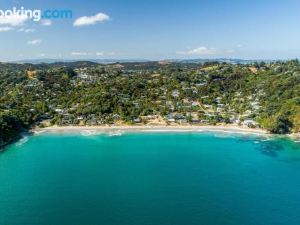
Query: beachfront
[(152, 128)]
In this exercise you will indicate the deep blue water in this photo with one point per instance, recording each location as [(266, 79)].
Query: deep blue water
[(150, 179)]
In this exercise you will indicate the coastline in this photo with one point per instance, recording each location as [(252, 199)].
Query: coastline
[(4, 145), (114, 129), (118, 130), (234, 129)]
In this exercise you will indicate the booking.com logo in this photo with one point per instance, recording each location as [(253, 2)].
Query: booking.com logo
[(36, 14)]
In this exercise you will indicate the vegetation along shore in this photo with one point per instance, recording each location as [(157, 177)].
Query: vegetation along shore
[(161, 94)]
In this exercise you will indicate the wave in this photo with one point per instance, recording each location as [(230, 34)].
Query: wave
[(223, 135), (167, 130), (88, 132), (267, 139), (22, 141), (115, 133), (39, 132)]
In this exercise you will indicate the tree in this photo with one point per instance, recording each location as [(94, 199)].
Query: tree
[(282, 125)]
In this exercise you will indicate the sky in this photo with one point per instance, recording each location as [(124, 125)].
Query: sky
[(154, 30)]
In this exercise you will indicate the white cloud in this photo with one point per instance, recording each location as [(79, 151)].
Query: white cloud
[(205, 51), (79, 53), (4, 29), (28, 30), (91, 53), (34, 42), (14, 20), (230, 51), (46, 22), (199, 51), (91, 20)]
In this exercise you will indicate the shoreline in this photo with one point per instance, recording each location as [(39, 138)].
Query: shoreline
[(227, 129), (152, 128), (118, 130)]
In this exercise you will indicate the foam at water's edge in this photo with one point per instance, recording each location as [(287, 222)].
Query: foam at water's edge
[(88, 132), (22, 141), (116, 133)]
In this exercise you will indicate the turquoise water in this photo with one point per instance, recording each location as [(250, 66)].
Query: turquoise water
[(150, 179)]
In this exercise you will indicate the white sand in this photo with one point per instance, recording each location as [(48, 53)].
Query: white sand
[(148, 128)]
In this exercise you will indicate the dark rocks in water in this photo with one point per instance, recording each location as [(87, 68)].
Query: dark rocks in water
[(270, 149), (244, 139)]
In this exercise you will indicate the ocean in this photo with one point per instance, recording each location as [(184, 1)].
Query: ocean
[(150, 179)]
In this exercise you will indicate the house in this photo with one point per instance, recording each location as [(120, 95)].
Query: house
[(195, 120), (175, 93), (59, 110), (137, 120), (234, 120), (218, 100), (201, 84), (253, 69), (255, 105), (116, 116), (194, 104), (204, 121), (83, 76), (170, 118), (208, 106), (249, 123), (182, 121)]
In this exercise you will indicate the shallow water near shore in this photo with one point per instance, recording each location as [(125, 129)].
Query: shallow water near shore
[(150, 178)]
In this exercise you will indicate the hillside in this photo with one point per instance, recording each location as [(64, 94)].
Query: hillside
[(265, 95)]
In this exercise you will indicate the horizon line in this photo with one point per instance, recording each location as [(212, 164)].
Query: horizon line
[(141, 59)]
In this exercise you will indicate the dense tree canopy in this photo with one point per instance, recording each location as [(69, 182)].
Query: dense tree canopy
[(262, 94)]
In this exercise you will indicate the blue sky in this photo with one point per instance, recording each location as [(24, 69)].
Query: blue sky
[(156, 29)]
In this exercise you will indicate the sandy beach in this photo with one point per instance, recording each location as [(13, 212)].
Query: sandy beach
[(151, 128)]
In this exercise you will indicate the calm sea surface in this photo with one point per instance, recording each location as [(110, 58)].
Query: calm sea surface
[(150, 179)]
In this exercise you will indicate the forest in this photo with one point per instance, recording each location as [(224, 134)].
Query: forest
[(259, 94)]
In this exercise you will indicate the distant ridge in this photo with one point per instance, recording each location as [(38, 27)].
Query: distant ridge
[(112, 61), (222, 60), (98, 61)]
